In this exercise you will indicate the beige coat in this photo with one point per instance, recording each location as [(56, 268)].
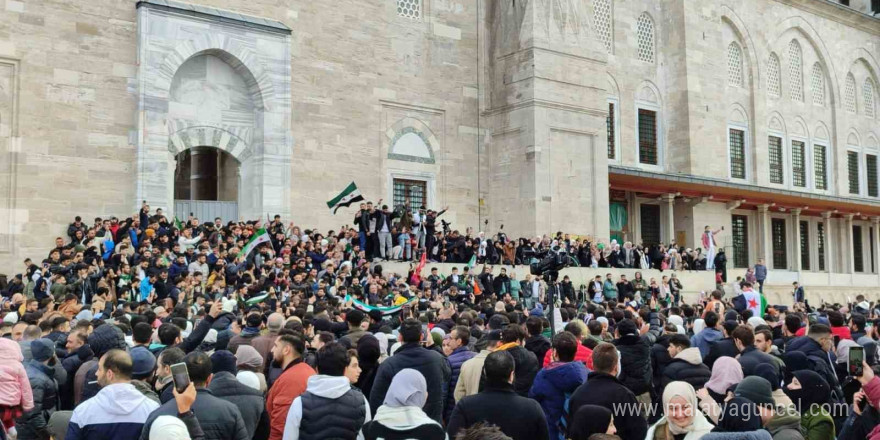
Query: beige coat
[(469, 378)]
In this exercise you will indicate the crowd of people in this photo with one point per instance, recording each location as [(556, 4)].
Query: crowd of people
[(151, 328)]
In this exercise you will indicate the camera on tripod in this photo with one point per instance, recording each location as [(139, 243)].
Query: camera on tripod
[(446, 226), (550, 261)]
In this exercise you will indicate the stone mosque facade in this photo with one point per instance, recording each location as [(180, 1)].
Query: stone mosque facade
[(637, 120)]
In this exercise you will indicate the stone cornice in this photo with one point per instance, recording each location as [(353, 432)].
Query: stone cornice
[(834, 11)]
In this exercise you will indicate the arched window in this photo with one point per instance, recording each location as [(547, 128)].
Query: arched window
[(773, 88), (868, 97), (645, 28), (734, 65), (817, 85), (849, 94), (602, 10), (795, 71)]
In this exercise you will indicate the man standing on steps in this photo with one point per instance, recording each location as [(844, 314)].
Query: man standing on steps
[(760, 274), (709, 245)]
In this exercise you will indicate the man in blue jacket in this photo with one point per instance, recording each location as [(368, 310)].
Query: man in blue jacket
[(559, 380), (711, 334)]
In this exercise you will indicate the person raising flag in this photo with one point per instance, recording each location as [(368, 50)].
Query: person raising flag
[(754, 300)]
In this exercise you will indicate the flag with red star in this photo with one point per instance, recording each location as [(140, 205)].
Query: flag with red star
[(755, 302)]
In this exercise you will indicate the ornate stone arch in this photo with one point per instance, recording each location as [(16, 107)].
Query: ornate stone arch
[(207, 136), (746, 44), (861, 54), (821, 132), (737, 114), (648, 92), (853, 139), (238, 56), (407, 126), (777, 123), (809, 34)]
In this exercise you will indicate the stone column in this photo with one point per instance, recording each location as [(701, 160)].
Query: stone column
[(203, 174), (847, 245), (875, 252), (546, 104), (796, 219), (829, 254), (763, 229), (670, 216)]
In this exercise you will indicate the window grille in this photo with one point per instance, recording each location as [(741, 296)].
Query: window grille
[(609, 124), (795, 71), (805, 245), (821, 168), (737, 154), (777, 173), (413, 193), (817, 84), (780, 249), (858, 258), (647, 137), (849, 94), (734, 65), (739, 229), (798, 164), (820, 238), (852, 165), (410, 9), (650, 221), (645, 29), (774, 88), (871, 172), (604, 19), (868, 97)]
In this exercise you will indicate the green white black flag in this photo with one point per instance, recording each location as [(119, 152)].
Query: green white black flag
[(348, 196)]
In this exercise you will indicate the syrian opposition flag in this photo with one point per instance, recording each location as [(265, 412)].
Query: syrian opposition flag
[(755, 302), (348, 196), (259, 237), (366, 308)]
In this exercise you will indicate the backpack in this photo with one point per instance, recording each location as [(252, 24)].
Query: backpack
[(739, 303)]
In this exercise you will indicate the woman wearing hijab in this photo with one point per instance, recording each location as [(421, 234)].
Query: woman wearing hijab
[(810, 393), (726, 372), (682, 419), (589, 420), (401, 417), (740, 420)]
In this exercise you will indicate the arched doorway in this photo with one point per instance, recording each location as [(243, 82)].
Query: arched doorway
[(206, 184)]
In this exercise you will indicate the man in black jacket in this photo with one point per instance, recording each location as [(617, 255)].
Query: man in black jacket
[(749, 355), (686, 364), (536, 342), (220, 420), (249, 401), (724, 347), (526, 364), (604, 389), (519, 417), (635, 358), (430, 363)]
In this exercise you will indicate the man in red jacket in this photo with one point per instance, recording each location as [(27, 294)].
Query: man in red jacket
[(286, 354), (584, 354)]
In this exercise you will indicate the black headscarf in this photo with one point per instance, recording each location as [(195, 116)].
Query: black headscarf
[(589, 420), (739, 415), (814, 389)]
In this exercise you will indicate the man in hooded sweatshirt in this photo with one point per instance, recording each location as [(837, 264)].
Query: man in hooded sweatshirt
[(330, 407), (686, 364), (119, 410), (561, 377), (710, 334)]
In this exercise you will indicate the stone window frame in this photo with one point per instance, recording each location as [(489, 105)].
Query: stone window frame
[(774, 80), (747, 151), (735, 68), (804, 140), (828, 168), (646, 32), (661, 156), (860, 170), (429, 178), (817, 85), (850, 102), (786, 167), (618, 153), (869, 98)]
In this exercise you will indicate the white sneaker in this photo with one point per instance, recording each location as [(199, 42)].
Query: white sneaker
[(12, 434)]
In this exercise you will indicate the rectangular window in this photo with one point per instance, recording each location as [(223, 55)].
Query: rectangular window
[(798, 164), (739, 228), (777, 174), (871, 165), (858, 258), (805, 245), (737, 154), (650, 220), (852, 166), (413, 193), (820, 237), (780, 249), (647, 137), (821, 169), (609, 124)]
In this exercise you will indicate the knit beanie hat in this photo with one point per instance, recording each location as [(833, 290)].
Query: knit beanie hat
[(223, 360), (757, 389)]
